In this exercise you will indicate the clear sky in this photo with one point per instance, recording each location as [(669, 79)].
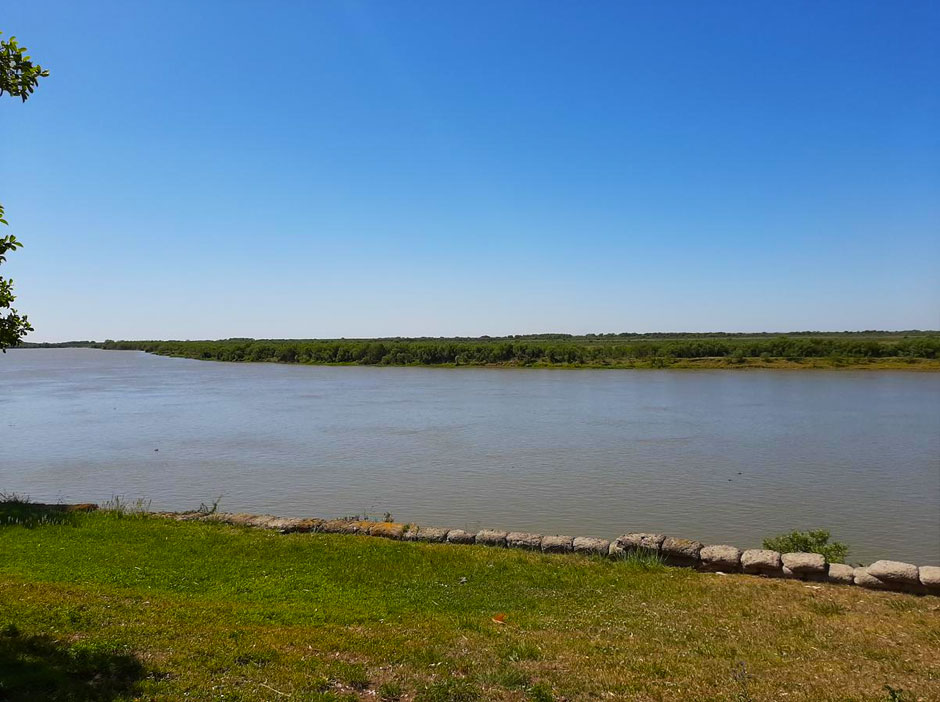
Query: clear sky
[(202, 169)]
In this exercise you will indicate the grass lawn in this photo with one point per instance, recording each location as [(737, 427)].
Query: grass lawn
[(113, 607)]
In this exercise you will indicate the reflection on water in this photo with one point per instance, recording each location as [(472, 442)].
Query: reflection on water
[(721, 456)]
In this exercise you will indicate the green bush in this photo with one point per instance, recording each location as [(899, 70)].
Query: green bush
[(813, 541)]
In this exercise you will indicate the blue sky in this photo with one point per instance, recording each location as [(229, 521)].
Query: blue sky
[(321, 169)]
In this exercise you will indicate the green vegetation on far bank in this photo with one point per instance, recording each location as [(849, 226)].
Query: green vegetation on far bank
[(113, 606), (876, 350)]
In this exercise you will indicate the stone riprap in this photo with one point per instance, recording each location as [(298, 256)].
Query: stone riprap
[(641, 542), (841, 573), (862, 578), (681, 552), (721, 558), (930, 578), (429, 534), (810, 563), (388, 530), (895, 572), (491, 537), (557, 544), (459, 536), (880, 575), (893, 575), (523, 539), (760, 561), (590, 546), (805, 566)]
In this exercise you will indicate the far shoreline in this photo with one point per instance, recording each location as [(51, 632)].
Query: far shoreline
[(916, 365)]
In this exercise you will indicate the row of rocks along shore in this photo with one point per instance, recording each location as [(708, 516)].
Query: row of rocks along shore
[(721, 558)]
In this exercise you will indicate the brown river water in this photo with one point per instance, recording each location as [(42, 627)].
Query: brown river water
[(720, 456)]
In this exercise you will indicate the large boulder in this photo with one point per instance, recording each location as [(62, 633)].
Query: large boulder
[(804, 566), (219, 516), (761, 561), (430, 534), (388, 530), (721, 557), (588, 545), (523, 539), (841, 573), (930, 579), (557, 544), (459, 536), (681, 552), (640, 542), (291, 525), (865, 579), (895, 572), (799, 562), (339, 526), (263, 521), (491, 537)]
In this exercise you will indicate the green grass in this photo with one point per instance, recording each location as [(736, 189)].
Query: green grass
[(122, 607)]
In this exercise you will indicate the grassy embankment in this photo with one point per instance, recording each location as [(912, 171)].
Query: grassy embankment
[(861, 350), (118, 607)]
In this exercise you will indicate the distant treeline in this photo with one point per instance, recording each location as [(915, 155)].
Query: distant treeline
[(60, 345), (535, 351)]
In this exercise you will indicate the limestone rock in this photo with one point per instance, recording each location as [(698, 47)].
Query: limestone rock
[(865, 579), (895, 572), (930, 577), (459, 536), (261, 521), (305, 525), (388, 530), (523, 539), (557, 544), (590, 546), (286, 525), (339, 526), (641, 542), (841, 573), (761, 561), (215, 516), (491, 537), (805, 562), (721, 557), (279, 523), (431, 534), (681, 552), (189, 516)]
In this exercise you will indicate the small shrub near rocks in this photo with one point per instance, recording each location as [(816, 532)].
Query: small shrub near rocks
[(813, 541)]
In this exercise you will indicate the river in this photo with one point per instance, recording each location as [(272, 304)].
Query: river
[(721, 456)]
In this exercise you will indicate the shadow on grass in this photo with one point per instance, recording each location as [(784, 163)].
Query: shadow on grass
[(39, 668), (17, 512)]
